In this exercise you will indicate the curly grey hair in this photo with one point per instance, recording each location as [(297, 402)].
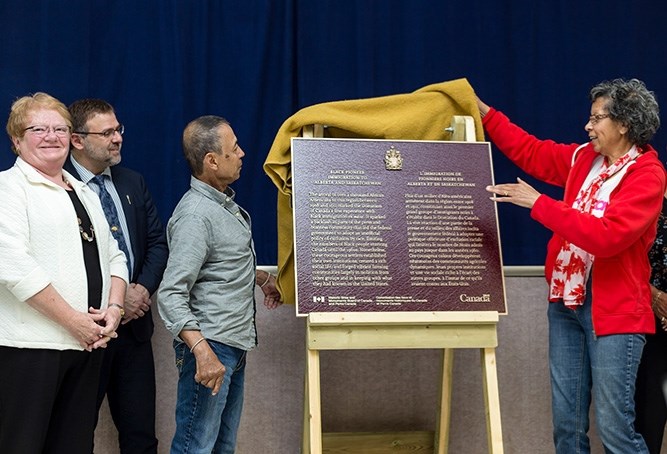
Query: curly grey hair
[(630, 103)]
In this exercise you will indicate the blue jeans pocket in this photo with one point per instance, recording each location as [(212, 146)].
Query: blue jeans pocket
[(179, 354)]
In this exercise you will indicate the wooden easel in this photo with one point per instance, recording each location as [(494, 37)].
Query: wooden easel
[(403, 330)]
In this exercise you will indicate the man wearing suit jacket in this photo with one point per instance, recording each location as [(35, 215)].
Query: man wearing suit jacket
[(128, 371)]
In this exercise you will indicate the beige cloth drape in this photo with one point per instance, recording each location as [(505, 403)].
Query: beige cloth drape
[(421, 115)]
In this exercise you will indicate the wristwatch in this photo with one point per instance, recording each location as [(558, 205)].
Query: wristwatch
[(122, 311)]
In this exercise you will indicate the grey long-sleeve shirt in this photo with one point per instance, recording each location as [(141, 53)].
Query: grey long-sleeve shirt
[(209, 282)]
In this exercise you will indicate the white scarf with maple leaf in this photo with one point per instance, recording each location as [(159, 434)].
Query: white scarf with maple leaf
[(573, 264)]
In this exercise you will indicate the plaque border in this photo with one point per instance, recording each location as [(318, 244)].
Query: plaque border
[(391, 144)]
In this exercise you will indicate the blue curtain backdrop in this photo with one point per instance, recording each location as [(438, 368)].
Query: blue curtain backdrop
[(162, 63)]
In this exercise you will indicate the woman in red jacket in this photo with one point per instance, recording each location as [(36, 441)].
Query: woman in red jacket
[(597, 264)]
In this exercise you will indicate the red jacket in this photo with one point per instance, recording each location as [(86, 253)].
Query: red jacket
[(619, 240)]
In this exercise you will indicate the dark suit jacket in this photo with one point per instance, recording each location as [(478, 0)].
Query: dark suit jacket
[(149, 244)]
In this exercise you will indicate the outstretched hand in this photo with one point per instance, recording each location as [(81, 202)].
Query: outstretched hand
[(519, 193)]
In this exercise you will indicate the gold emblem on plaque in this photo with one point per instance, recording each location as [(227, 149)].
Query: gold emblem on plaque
[(393, 159)]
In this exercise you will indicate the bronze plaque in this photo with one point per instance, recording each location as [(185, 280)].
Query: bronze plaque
[(393, 225)]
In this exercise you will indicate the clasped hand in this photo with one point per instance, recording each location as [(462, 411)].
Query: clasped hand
[(137, 302), (96, 328)]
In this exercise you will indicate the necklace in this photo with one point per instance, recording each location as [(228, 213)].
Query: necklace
[(87, 237)]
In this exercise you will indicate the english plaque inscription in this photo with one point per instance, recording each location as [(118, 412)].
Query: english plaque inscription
[(385, 225)]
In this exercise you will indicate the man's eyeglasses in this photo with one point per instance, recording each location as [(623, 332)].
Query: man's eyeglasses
[(595, 119), (107, 133), (43, 131)]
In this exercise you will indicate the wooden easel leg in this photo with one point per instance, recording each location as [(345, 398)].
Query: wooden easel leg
[(445, 407), (305, 436), (312, 405), (492, 400)]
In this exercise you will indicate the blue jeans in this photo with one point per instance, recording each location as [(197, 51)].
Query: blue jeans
[(584, 367), (207, 424)]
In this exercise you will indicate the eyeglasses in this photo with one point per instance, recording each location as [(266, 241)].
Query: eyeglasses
[(107, 133), (595, 119), (43, 131)]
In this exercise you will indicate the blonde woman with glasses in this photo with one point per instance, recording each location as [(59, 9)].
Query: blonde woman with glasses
[(62, 286)]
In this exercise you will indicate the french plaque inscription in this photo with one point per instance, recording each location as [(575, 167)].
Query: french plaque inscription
[(386, 225)]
